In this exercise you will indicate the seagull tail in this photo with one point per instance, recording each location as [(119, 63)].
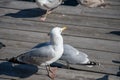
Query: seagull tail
[(6, 59), (13, 60)]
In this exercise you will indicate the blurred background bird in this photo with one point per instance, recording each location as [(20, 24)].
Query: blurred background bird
[(48, 5), (93, 3)]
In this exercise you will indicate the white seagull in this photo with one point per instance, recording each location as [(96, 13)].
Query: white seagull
[(72, 56), (48, 5), (46, 54)]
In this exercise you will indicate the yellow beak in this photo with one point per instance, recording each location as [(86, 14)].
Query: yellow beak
[(64, 28)]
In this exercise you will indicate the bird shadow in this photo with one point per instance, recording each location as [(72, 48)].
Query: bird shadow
[(115, 33), (2, 45), (70, 3), (59, 65), (114, 61), (27, 13), (105, 77), (117, 62), (118, 73), (19, 70)]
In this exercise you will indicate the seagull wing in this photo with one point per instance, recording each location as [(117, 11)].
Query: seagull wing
[(73, 56), (37, 56)]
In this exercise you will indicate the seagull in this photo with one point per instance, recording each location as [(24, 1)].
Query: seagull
[(73, 56), (93, 3), (47, 5), (46, 54)]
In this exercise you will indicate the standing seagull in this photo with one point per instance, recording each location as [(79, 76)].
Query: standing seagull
[(48, 5), (46, 54)]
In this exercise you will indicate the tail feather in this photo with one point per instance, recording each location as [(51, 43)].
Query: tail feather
[(90, 64)]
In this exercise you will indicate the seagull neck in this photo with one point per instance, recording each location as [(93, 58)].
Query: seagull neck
[(56, 40)]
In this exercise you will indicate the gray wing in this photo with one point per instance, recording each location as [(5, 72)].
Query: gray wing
[(72, 55), (41, 45), (68, 49), (37, 55)]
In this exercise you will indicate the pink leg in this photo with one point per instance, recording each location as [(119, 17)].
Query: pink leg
[(49, 12), (51, 72), (43, 18)]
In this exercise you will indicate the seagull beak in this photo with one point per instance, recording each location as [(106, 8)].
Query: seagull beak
[(64, 28)]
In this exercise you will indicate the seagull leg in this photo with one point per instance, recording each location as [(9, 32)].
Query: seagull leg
[(51, 72), (43, 18)]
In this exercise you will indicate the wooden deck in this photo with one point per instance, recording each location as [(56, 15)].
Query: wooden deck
[(94, 31)]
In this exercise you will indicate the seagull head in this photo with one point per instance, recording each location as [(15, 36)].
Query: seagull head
[(57, 30), (55, 36)]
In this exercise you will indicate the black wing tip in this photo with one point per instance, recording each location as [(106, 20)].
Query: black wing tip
[(14, 60), (93, 63)]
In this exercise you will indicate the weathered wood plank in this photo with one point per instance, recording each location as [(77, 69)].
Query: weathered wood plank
[(81, 31), (95, 44), (93, 38), (67, 19), (67, 9), (99, 13)]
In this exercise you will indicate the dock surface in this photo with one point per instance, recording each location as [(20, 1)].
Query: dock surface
[(95, 31)]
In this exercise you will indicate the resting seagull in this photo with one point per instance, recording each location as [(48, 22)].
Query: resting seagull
[(46, 54), (93, 3), (48, 5), (72, 56)]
